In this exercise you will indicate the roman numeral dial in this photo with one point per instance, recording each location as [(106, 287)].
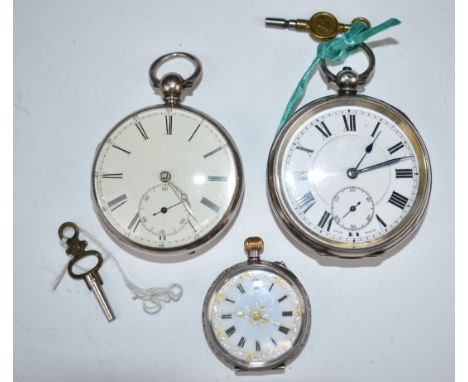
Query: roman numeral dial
[(166, 178), (266, 311), (346, 176)]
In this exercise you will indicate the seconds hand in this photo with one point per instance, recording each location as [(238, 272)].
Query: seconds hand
[(165, 209), (351, 209)]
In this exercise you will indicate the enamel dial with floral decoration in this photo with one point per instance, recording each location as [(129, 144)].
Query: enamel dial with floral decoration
[(256, 315)]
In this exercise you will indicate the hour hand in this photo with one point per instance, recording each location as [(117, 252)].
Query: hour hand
[(368, 150)]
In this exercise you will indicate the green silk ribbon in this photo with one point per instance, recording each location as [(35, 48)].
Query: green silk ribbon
[(334, 50)]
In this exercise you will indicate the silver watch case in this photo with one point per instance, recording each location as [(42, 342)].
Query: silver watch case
[(239, 365), (309, 239), (203, 242)]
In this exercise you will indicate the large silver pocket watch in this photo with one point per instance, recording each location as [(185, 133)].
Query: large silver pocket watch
[(349, 175), (167, 178), (256, 314)]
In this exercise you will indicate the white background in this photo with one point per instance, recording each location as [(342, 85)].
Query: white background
[(81, 66)]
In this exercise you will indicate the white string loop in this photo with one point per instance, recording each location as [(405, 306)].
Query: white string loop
[(152, 298)]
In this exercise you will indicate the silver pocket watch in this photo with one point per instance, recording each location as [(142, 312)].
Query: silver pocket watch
[(167, 178), (256, 314), (349, 175)]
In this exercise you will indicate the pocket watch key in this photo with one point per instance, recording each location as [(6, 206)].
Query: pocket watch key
[(348, 174), (167, 178), (256, 314), (76, 248), (321, 26)]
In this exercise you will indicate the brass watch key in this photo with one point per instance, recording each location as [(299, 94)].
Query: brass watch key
[(321, 26), (76, 248)]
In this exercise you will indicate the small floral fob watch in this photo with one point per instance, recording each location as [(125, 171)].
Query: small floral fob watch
[(348, 174), (167, 178), (256, 314)]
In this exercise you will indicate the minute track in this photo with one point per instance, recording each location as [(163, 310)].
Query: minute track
[(126, 154), (162, 215), (367, 149)]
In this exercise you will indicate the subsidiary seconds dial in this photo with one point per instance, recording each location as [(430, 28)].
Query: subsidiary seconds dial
[(352, 208)]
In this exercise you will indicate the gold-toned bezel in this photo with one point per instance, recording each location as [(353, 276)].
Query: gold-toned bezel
[(310, 238)]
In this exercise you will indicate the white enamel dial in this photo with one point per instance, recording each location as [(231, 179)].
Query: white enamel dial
[(165, 178), (256, 316), (347, 176)]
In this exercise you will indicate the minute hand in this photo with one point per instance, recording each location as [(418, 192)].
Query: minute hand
[(382, 164)]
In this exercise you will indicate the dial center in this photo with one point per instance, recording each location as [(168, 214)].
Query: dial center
[(352, 173), (256, 316), (165, 176), (331, 169)]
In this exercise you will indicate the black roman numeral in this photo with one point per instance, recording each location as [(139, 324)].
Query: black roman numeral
[(257, 346), (283, 298), (395, 148), (271, 287), (323, 220), (305, 149), (398, 200), (283, 329), (329, 224), (241, 342), (226, 316), (231, 301), (217, 178), (379, 219), (195, 131), (230, 331), (213, 152), (273, 340), (287, 313), (241, 288), (323, 129), (121, 149), (404, 173), (210, 204), (142, 131), (168, 124), (117, 202), (350, 125), (135, 221), (375, 130), (300, 175), (112, 176), (306, 202)]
